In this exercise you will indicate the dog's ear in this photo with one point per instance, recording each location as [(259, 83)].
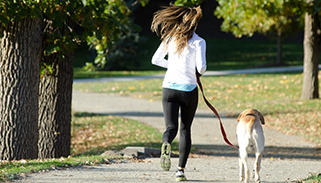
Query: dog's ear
[(240, 116), (261, 118)]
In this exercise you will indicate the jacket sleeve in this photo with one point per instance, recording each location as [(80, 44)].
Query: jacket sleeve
[(201, 57), (159, 56)]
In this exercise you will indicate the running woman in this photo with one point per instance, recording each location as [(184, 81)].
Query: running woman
[(176, 27)]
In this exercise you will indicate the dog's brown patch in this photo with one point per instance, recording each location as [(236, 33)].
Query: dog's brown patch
[(248, 113)]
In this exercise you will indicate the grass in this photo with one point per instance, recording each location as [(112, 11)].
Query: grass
[(226, 54), (80, 73), (277, 96), (93, 134), (315, 178), (16, 169)]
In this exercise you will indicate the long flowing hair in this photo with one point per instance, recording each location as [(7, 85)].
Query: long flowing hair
[(177, 23)]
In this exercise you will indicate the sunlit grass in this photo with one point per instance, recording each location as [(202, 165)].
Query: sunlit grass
[(17, 169), (80, 73), (315, 178), (92, 134), (149, 88)]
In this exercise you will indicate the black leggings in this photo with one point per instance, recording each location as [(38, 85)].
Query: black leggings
[(172, 101)]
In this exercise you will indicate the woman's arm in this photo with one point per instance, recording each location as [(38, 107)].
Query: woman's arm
[(201, 57), (159, 56)]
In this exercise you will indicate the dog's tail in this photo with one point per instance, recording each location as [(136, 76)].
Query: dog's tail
[(250, 127)]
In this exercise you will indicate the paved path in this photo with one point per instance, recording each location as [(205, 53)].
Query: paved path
[(287, 158)]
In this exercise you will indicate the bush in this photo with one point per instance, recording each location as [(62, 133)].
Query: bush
[(124, 53)]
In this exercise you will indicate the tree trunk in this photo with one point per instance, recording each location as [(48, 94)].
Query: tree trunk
[(279, 45), (311, 57), (55, 108), (20, 57)]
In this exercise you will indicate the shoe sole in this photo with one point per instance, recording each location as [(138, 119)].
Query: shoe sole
[(178, 179), (165, 158)]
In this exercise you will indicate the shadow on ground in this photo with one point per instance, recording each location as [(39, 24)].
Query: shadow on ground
[(269, 152)]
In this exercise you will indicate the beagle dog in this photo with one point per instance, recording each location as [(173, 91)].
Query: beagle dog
[(250, 134)]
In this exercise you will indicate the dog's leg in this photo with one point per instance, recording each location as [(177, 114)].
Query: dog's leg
[(259, 143), (244, 175), (241, 169), (258, 155), (257, 166)]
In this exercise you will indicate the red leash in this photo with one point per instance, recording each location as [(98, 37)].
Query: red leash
[(215, 112)]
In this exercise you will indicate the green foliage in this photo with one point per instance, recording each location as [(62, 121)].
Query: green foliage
[(62, 15), (107, 19), (123, 54), (13, 10), (316, 5), (63, 30), (105, 25), (121, 29), (244, 17), (189, 3), (67, 23)]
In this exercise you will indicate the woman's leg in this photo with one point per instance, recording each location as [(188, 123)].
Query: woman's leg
[(188, 108), (171, 112), (171, 109)]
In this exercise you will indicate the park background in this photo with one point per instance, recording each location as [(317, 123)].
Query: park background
[(132, 54)]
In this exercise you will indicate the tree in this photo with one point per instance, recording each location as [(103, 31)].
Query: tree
[(70, 22), (55, 96), (65, 23), (20, 55), (55, 86), (311, 45), (244, 17)]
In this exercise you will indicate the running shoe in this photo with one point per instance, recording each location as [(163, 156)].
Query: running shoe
[(180, 176), (165, 159)]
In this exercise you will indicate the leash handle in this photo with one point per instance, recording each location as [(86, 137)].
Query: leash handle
[(215, 112)]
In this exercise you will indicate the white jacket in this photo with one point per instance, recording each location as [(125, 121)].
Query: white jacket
[(181, 68)]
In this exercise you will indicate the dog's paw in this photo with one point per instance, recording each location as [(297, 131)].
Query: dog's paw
[(256, 177), (257, 180)]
